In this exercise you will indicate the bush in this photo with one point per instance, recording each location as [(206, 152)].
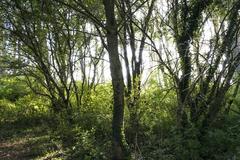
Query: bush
[(13, 88)]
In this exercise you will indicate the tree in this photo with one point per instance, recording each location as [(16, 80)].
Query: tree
[(202, 78), (111, 46), (49, 43), (132, 35), (117, 79)]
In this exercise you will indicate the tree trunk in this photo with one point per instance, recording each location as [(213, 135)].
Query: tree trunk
[(117, 81)]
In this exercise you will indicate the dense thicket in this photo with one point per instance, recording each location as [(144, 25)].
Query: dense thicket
[(121, 79)]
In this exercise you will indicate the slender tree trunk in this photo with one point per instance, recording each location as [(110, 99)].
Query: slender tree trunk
[(117, 81)]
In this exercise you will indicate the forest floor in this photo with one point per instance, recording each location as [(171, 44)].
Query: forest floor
[(27, 142)]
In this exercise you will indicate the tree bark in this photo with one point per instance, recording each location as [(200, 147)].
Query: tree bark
[(117, 81)]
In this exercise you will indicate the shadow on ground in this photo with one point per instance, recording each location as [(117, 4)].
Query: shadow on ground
[(21, 141)]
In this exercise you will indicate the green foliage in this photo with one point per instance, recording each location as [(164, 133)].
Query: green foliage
[(17, 102), (32, 105), (89, 146), (186, 146), (12, 88), (92, 129), (222, 142), (7, 110), (88, 136)]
